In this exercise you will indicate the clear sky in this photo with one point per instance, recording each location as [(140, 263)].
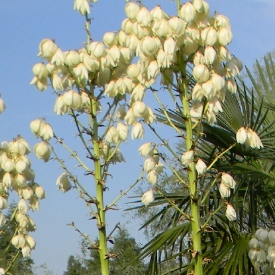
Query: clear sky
[(23, 25)]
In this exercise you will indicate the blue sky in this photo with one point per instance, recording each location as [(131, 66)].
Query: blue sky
[(23, 25)]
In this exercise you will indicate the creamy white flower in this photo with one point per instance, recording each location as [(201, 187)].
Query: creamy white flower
[(187, 12), (132, 9), (18, 241), (271, 236), (30, 241), (36, 126), (3, 203), (262, 235), (224, 190), (26, 192), (60, 108), (63, 183), (187, 158), (39, 192), (47, 48), (230, 213), (152, 177), (46, 132), (241, 135), (201, 73), (201, 167), (145, 149), (137, 131), (148, 197), (26, 251), (149, 164), (122, 131), (82, 6), (2, 220), (42, 151), (40, 70), (72, 99), (112, 135), (253, 243), (228, 180), (2, 271)]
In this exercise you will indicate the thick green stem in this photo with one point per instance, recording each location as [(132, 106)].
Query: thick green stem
[(195, 201), (99, 184)]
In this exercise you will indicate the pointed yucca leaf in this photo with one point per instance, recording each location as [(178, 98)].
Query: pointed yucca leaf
[(255, 85), (270, 70), (166, 238), (263, 79), (260, 119)]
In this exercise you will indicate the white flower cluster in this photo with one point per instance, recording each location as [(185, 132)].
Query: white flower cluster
[(17, 175), (249, 137), (262, 251)]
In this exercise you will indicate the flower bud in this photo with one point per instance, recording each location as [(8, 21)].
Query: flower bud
[(18, 241), (253, 243), (137, 131), (177, 25), (140, 109), (158, 13), (148, 197), (30, 241), (26, 251), (222, 21), (209, 55), (26, 192), (230, 213), (148, 46)]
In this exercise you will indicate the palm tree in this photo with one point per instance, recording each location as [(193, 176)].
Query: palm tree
[(225, 244)]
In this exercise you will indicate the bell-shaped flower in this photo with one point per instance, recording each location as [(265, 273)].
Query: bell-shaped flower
[(152, 176), (253, 243), (72, 99), (2, 106), (2, 220), (109, 38), (140, 109), (26, 251), (39, 192), (222, 21), (97, 49), (2, 271), (42, 151), (262, 235), (60, 108), (230, 213), (82, 6), (209, 55), (161, 28), (144, 17), (158, 13), (201, 73), (145, 149), (271, 236), (228, 180), (241, 135), (149, 164), (34, 203), (130, 119), (225, 36), (159, 168), (112, 135), (58, 58), (201, 167), (46, 132), (3, 203), (40, 70), (22, 206), (29, 174), (20, 180), (148, 197), (153, 70), (137, 131), (41, 84), (177, 26), (81, 72), (63, 183), (169, 46), (26, 192), (132, 9), (122, 131), (209, 36), (187, 158), (47, 48), (72, 58), (30, 241), (187, 12), (18, 241), (36, 126), (253, 139), (261, 258), (224, 190), (120, 87), (149, 46), (8, 165), (253, 254)]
